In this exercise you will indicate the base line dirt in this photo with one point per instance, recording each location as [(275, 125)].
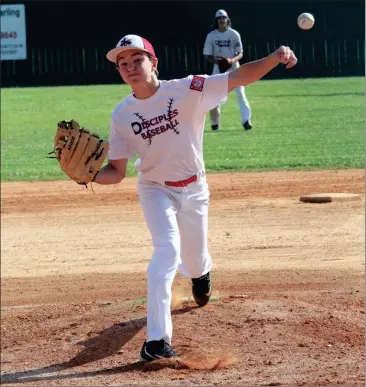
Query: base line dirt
[(288, 277)]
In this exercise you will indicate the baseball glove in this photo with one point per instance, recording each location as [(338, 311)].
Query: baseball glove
[(79, 152), (224, 64)]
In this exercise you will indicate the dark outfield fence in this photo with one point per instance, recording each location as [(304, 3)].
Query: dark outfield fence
[(87, 65), (62, 54)]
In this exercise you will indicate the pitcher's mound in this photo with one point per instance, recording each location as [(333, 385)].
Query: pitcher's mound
[(329, 197)]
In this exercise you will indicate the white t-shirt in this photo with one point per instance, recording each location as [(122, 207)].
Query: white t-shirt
[(167, 128), (227, 43)]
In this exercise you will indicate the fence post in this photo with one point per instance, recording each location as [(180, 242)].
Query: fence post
[(39, 62), (33, 62), (345, 51), (166, 58), (83, 60), (185, 58), (45, 61), (326, 52)]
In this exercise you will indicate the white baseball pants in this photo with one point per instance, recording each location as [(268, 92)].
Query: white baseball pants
[(177, 219), (244, 106)]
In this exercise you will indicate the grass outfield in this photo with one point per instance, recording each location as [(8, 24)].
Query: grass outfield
[(298, 124)]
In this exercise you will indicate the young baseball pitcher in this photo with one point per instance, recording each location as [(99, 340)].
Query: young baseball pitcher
[(163, 121), (224, 49)]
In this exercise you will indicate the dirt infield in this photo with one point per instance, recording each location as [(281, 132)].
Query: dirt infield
[(288, 304)]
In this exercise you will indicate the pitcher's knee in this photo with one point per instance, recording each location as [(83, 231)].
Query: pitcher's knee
[(167, 250), (164, 261)]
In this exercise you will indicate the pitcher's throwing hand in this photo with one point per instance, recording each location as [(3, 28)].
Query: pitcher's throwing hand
[(286, 56)]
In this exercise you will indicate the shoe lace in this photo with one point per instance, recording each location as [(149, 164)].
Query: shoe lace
[(168, 350)]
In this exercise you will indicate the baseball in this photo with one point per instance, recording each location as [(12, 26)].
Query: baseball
[(305, 21)]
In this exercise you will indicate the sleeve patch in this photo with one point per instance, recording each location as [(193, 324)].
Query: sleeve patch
[(197, 83)]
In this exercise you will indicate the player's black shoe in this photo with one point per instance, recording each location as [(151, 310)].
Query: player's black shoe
[(247, 125), (155, 349), (214, 127), (201, 289)]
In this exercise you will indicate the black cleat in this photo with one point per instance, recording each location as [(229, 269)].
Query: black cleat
[(201, 289), (247, 125), (154, 350), (214, 127)]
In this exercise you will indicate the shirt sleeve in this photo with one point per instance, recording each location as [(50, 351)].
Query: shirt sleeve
[(208, 49), (238, 43), (211, 89), (118, 144)]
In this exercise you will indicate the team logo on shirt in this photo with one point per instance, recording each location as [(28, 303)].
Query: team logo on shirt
[(197, 83), (223, 43), (148, 128)]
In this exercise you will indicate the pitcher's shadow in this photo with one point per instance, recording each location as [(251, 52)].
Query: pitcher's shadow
[(107, 343)]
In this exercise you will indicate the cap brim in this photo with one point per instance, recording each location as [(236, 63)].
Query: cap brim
[(113, 54)]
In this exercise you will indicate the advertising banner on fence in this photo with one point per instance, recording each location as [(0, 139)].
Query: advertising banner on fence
[(13, 32)]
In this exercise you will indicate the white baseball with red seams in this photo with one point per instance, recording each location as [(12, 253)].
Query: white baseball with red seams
[(166, 130)]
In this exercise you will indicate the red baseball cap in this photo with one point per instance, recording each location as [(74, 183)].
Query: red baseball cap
[(130, 42)]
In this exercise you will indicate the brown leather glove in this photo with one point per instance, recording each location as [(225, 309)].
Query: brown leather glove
[(79, 152), (224, 64)]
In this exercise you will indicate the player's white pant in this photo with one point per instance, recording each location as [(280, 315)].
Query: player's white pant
[(244, 106), (177, 219)]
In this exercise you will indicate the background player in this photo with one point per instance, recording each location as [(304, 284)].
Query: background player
[(226, 42)]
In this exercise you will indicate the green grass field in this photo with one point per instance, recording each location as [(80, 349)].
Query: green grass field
[(298, 124)]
